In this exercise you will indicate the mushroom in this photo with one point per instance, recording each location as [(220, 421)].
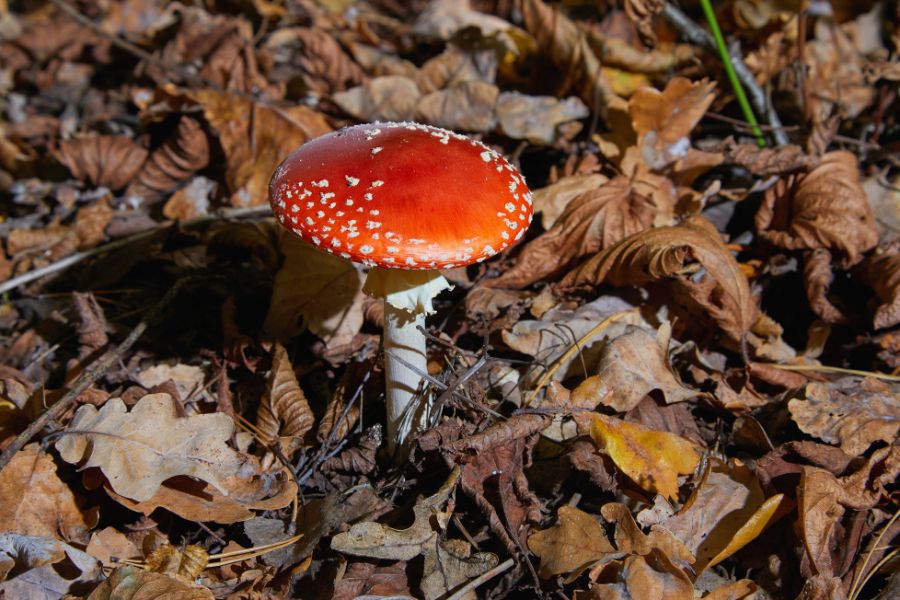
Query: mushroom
[(406, 200)]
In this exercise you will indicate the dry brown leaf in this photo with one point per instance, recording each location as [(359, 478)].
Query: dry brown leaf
[(43, 568), (284, 411), (34, 502), (566, 44), (571, 545), (766, 162), (593, 221), (642, 14), (25, 552), (631, 365), (666, 252), (881, 271), (336, 417), (825, 207), (360, 459), (664, 120), (552, 201), (315, 290), (652, 459), (187, 379), (132, 583), (326, 68), (725, 512), (191, 201), (467, 106), (92, 327), (850, 413), (455, 65), (185, 152), (365, 579), (541, 120), (817, 278), (138, 450), (106, 160), (388, 98), (90, 223), (640, 578), (109, 546), (255, 137), (185, 563), (631, 540), (442, 19)]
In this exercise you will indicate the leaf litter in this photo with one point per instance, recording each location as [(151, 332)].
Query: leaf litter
[(681, 384)]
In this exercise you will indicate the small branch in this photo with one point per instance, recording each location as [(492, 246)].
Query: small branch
[(74, 259), (697, 35), (469, 587), (91, 375)]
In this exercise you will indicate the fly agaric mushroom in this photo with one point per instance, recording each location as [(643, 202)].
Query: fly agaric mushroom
[(404, 199)]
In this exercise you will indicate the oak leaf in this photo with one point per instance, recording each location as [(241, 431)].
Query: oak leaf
[(593, 221), (850, 413), (138, 450), (35, 502), (652, 459), (670, 252), (572, 544), (284, 411)]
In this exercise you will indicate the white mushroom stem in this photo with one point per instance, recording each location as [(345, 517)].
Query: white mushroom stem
[(407, 299)]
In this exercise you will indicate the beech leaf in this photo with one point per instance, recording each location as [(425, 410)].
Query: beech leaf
[(284, 411)]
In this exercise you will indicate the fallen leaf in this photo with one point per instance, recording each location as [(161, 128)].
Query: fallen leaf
[(551, 201), (315, 290), (24, 552), (766, 162), (138, 450), (631, 540), (824, 207), (131, 583), (631, 365), (34, 502), (848, 412), (185, 563), (191, 201), (881, 271), (442, 19), (188, 379), (180, 156), (255, 138), (725, 512), (467, 106), (284, 411), (325, 67), (594, 221), (455, 65), (542, 120), (105, 160), (642, 577), (388, 98), (664, 120), (571, 545), (665, 252), (652, 459), (110, 546), (363, 579)]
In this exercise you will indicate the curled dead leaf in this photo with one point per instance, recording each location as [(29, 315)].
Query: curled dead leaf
[(881, 271), (106, 160), (668, 252), (825, 207), (131, 582), (284, 411), (593, 221)]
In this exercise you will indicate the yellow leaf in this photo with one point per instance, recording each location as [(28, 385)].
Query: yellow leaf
[(652, 459), (572, 544), (749, 530)]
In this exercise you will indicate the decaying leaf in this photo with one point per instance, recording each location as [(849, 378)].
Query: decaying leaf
[(541, 120), (881, 271), (630, 366), (284, 411), (850, 413), (448, 563), (631, 540), (824, 207), (388, 98), (366, 579), (572, 544), (23, 552), (666, 252), (637, 577), (34, 502), (315, 290), (138, 450), (107, 160), (184, 563), (652, 459), (594, 221), (466, 106), (551, 201), (131, 583), (43, 568)]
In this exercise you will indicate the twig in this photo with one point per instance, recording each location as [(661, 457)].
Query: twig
[(501, 568), (91, 374), (696, 35), (828, 369), (74, 259)]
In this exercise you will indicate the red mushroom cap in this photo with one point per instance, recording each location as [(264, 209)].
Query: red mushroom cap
[(401, 195)]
